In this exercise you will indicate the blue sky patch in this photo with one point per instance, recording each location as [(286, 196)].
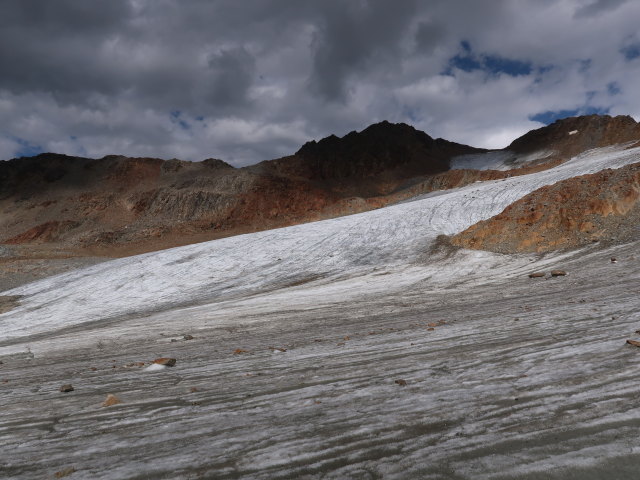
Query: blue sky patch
[(176, 119), (613, 88), (551, 116), (585, 65), (27, 149), (469, 61), (631, 52), (505, 65)]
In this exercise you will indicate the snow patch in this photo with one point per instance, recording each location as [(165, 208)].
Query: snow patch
[(501, 160), (155, 367)]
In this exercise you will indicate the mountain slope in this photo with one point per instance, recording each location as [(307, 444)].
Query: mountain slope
[(138, 204), (356, 347), (55, 205), (571, 213), (396, 235)]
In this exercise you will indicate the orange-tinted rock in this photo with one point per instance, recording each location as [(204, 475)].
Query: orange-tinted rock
[(591, 208), (45, 232), (166, 361), (111, 400)]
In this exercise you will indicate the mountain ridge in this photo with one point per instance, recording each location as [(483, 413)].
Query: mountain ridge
[(119, 205)]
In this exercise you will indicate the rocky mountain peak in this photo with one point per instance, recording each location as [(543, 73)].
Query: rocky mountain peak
[(571, 136), (380, 147)]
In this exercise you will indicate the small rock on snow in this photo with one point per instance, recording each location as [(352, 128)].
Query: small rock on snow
[(166, 361), (111, 400)]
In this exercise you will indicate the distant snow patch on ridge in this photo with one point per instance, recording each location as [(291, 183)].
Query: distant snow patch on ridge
[(573, 132), (498, 160)]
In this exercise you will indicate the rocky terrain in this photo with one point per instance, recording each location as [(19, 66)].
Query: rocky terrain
[(117, 206), (601, 207)]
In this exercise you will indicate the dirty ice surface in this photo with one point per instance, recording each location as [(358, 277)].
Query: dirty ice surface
[(299, 335), (499, 160)]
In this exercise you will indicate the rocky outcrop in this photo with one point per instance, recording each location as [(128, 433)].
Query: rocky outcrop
[(8, 303), (43, 233), (574, 135), (601, 207), (381, 147)]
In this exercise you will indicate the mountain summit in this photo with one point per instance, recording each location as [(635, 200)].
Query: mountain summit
[(380, 147)]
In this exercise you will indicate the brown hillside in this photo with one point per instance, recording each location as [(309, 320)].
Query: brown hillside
[(118, 205), (578, 211), (572, 136)]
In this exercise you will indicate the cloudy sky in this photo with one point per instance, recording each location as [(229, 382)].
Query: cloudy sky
[(251, 80)]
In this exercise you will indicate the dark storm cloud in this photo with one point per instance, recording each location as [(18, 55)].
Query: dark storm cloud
[(232, 73), (250, 80), (429, 35), (353, 37)]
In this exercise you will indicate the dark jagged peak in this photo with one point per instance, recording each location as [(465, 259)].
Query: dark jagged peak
[(574, 135), (380, 147), (33, 172), (216, 163)]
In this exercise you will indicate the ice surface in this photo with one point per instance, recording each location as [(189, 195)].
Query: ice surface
[(155, 367)]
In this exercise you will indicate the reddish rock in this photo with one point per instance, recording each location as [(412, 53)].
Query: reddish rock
[(46, 232), (166, 361), (111, 400), (570, 213), (401, 382), (66, 388), (634, 343), (558, 273), (537, 275), (65, 472)]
